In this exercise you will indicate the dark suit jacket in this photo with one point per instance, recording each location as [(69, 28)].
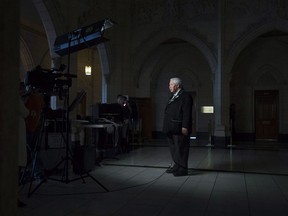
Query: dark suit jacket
[(178, 114)]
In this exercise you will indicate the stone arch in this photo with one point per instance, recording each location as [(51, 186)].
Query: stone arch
[(250, 35), (156, 38), (46, 10)]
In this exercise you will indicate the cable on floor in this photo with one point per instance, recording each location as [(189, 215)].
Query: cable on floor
[(99, 192)]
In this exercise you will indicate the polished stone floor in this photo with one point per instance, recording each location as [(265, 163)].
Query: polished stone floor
[(221, 182)]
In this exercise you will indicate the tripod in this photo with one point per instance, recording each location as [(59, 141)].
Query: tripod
[(34, 146), (68, 155)]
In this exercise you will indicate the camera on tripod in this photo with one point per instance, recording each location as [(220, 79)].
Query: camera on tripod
[(48, 80)]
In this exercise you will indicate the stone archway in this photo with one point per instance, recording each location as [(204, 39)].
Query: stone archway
[(256, 68), (244, 40), (142, 52), (45, 10)]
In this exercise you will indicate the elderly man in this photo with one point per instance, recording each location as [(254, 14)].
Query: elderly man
[(178, 126)]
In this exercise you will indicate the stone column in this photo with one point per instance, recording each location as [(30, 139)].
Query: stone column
[(105, 68), (221, 83), (9, 109)]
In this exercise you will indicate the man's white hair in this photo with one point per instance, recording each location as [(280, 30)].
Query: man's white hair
[(177, 81)]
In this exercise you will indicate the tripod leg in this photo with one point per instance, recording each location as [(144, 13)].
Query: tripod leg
[(30, 192), (36, 139), (23, 175)]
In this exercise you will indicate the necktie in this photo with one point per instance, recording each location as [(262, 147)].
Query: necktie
[(172, 99)]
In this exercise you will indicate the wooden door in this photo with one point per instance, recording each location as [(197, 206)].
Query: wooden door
[(266, 114), (145, 115)]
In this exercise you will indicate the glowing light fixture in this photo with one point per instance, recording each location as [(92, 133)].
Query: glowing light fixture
[(207, 109), (88, 70)]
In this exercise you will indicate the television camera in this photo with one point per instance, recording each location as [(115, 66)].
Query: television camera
[(48, 80)]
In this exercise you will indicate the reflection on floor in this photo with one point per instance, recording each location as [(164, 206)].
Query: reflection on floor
[(222, 182)]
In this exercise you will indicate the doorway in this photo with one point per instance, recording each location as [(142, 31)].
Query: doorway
[(266, 114)]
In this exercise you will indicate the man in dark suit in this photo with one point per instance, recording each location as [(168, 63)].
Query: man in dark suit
[(178, 126)]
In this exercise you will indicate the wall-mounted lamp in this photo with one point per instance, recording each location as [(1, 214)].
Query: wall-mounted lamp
[(207, 109), (88, 70)]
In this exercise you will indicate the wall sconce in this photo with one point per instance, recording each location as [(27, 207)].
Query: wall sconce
[(88, 70), (207, 109)]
